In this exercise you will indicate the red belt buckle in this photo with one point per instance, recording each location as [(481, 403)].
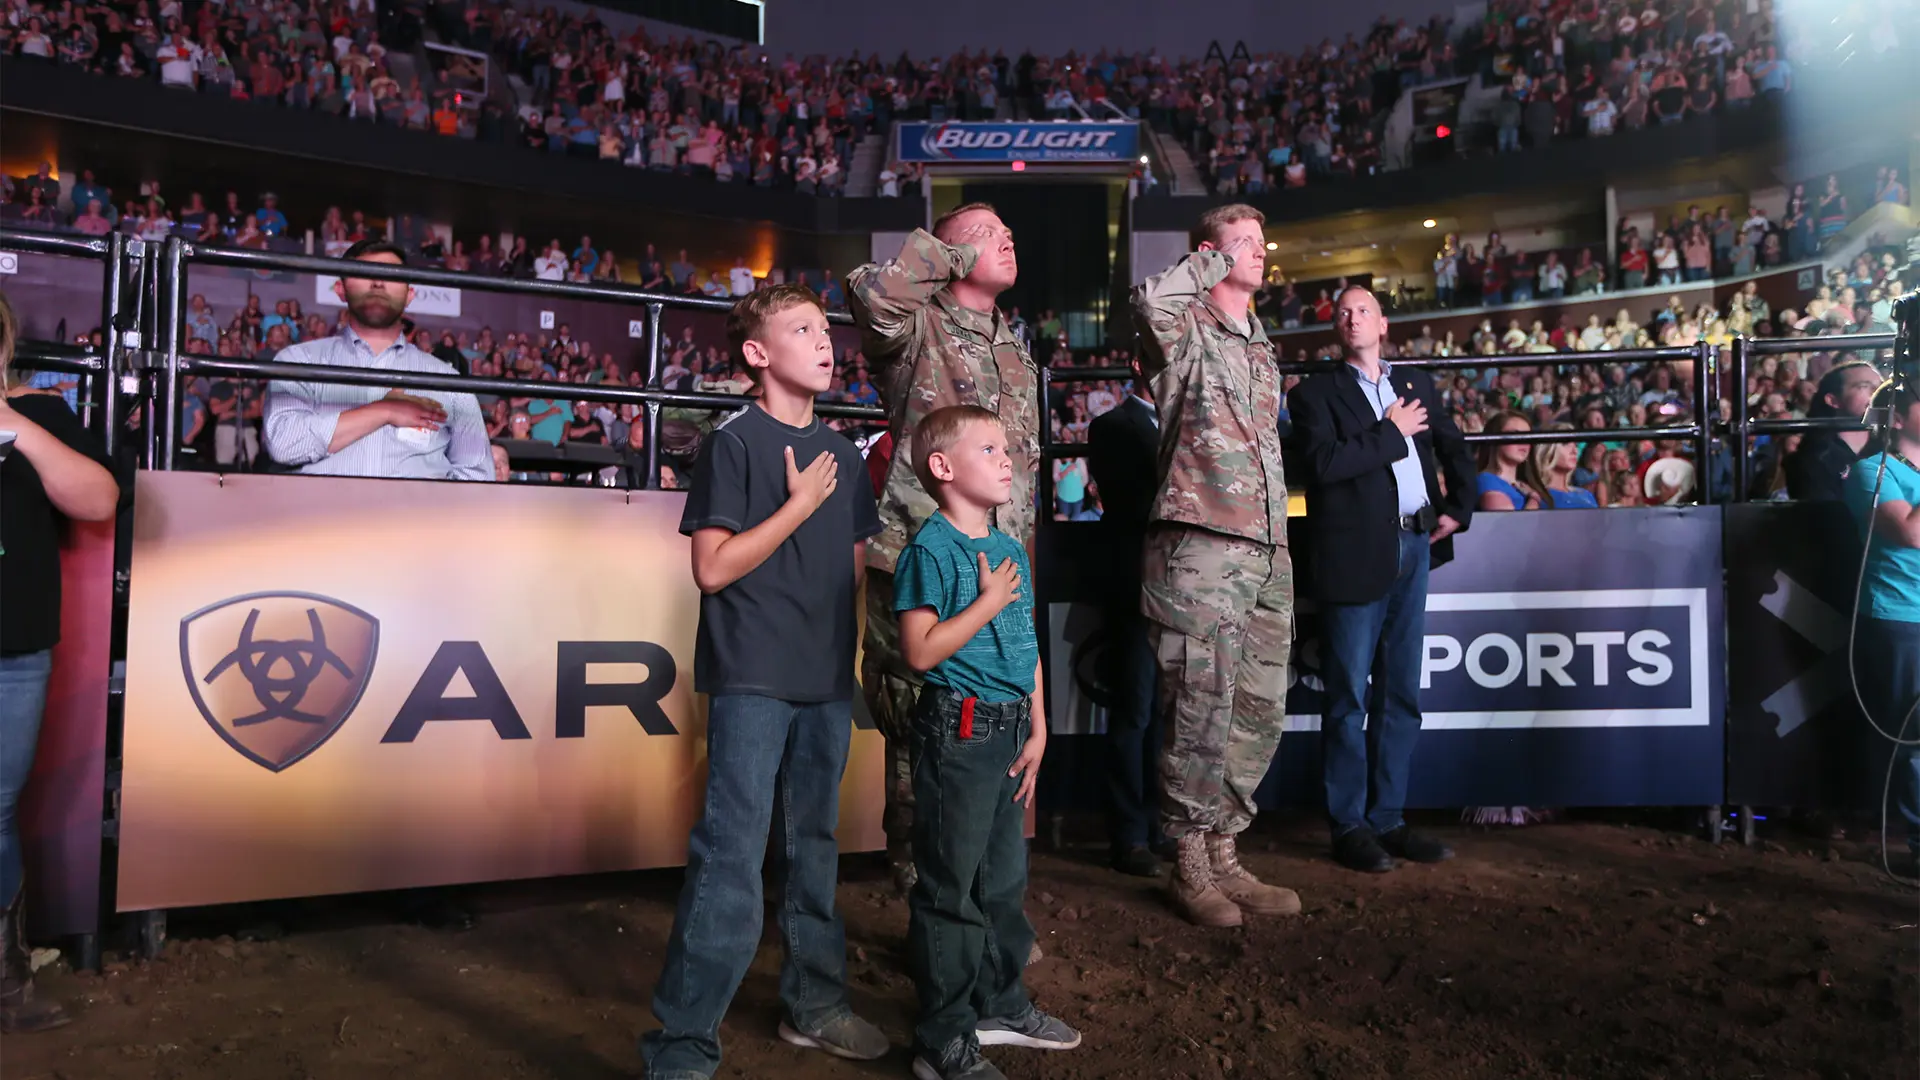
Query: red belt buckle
[(966, 717)]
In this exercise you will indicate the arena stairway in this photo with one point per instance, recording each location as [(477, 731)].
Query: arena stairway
[(863, 173)]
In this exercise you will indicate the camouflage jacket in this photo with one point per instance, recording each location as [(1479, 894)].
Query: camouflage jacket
[(1217, 389), (930, 352)]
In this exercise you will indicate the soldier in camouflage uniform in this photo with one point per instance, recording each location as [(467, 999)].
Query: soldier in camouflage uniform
[(1217, 584), (929, 325)]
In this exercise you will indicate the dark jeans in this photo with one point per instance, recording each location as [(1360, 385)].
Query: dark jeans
[(1133, 730), (1890, 660), (23, 698), (1368, 750), (760, 751), (967, 930)]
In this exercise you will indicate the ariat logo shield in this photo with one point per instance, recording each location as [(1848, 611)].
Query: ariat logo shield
[(277, 673)]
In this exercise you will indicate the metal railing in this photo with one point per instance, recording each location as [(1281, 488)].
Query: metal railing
[(171, 365), (1742, 427), (1699, 430), (99, 370)]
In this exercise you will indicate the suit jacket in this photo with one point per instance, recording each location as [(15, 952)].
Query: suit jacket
[(1346, 458), (1123, 449)]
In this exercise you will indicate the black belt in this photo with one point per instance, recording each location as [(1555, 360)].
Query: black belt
[(1421, 521)]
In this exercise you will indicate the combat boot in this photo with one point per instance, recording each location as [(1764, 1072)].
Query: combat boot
[(21, 1012), (1242, 888), (1195, 895)]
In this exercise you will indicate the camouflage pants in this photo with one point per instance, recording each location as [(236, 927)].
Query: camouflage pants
[(891, 688), (1221, 615)]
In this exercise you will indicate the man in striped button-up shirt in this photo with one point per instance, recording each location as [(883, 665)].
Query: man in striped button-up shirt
[(335, 430)]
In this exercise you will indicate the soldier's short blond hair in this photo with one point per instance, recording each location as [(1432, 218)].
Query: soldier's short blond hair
[(940, 430), (1218, 218), (941, 223)]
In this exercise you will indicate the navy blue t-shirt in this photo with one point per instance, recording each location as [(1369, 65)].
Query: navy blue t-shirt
[(786, 629)]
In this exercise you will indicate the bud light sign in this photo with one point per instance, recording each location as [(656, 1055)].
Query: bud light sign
[(1059, 141)]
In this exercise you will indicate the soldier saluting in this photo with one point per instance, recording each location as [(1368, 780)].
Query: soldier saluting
[(1217, 579), (928, 321)]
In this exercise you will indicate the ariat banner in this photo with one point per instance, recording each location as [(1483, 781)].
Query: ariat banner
[(341, 685)]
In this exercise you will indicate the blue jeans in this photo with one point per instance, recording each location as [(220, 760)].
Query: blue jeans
[(1509, 138), (762, 754), (967, 929), (1890, 651), (23, 698), (1367, 750)]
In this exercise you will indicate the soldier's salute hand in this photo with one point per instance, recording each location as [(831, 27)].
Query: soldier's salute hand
[(1237, 248), (979, 236)]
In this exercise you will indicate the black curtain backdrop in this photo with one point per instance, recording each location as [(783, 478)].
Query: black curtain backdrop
[(1060, 232)]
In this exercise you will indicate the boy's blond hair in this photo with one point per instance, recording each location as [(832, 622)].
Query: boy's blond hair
[(748, 319), (937, 433)]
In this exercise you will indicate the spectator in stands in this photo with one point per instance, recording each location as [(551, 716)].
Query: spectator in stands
[(1665, 260), (1830, 216), (1887, 188), (552, 264), (1501, 486), (1548, 476), (1697, 254), (1553, 277), (740, 279), (358, 431)]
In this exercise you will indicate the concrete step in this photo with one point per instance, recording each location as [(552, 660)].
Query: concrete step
[(863, 173)]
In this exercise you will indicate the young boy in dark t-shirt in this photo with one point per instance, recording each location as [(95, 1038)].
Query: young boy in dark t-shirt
[(779, 519), (979, 731)]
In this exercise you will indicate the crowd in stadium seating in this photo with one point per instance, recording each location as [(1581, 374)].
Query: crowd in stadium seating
[(1573, 70), (1700, 246), (35, 202), (1255, 121)]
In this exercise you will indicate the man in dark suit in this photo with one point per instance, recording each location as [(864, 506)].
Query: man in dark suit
[(1123, 446), (1374, 442)]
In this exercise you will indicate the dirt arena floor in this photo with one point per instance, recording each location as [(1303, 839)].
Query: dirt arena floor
[(1573, 950)]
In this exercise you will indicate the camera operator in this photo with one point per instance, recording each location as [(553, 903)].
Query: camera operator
[(1887, 666)]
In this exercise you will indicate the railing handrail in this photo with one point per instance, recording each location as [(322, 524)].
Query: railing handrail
[(248, 259), (1803, 424), (36, 355), (619, 393), (36, 242), (1831, 343)]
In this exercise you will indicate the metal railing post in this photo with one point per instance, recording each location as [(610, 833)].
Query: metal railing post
[(1705, 407), (1044, 482), (656, 316), (170, 314), (110, 338), (1737, 429)]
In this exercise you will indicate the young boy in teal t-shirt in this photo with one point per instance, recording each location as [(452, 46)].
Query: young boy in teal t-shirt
[(979, 731)]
